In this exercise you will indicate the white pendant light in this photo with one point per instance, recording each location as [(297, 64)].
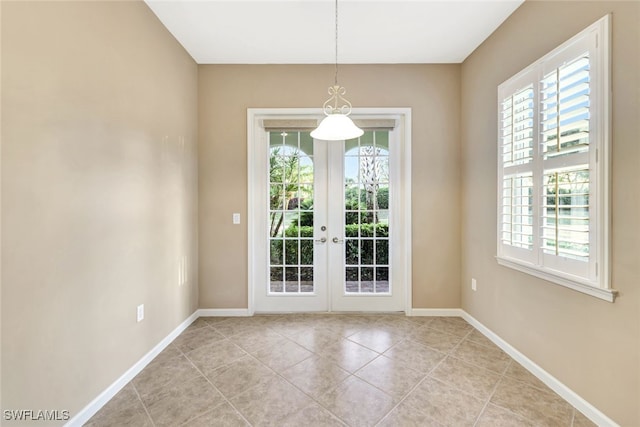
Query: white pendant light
[(337, 126)]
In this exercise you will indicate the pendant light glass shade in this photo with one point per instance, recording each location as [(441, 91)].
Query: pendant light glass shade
[(336, 127)]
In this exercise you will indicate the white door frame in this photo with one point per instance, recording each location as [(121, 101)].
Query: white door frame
[(257, 246)]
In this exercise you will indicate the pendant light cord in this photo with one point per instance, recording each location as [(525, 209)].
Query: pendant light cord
[(336, 70)]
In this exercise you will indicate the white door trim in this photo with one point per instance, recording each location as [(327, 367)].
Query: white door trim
[(255, 169)]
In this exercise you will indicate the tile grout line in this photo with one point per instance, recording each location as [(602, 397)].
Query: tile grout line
[(277, 374), (413, 389), (428, 375), (304, 392), (305, 327), (503, 377), (221, 394), (144, 406), (227, 400), (298, 388), (351, 374), (573, 417), (495, 387), (405, 338)]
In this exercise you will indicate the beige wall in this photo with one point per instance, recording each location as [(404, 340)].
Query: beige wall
[(590, 345), (98, 195), (99, 198), (226, 91)]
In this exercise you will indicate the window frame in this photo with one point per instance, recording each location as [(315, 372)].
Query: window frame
[(595, 279)]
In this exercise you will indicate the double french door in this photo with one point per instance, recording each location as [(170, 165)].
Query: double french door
[(328, 224)]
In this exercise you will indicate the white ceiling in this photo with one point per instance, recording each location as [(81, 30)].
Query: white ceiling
[(302, 31)]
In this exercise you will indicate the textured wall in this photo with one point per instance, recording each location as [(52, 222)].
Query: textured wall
[(226, 91), (590, 345), (98, 195)]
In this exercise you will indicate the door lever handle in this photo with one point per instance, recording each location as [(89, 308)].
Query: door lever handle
[(336, 240), (321, 240)]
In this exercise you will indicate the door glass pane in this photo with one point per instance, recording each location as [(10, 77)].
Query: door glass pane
[(276, 279), (291, 212), (366, 205)]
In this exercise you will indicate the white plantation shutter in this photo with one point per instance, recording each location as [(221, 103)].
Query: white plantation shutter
[(552, 170), (565, 108), (569, 139), (517, 211), (565, 212), (517, 128), (516, 147)]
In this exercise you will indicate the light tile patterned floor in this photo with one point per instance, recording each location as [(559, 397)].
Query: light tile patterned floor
[(335, 370)]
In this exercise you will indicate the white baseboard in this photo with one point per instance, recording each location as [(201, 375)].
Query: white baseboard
[(94, 406), (223, 312), (440, 312), (565, 392), (552, 382)]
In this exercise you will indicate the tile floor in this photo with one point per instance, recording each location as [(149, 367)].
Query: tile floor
[(335, 370)]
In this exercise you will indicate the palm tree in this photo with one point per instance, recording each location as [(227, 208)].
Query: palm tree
[(285, 174), (373, 169)]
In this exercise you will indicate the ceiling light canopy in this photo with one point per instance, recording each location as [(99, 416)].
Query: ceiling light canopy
[(337, 126)]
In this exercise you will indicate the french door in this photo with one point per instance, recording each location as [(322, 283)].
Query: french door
[(327, 224)]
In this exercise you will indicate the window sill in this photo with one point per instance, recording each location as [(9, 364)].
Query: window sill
[(604, 294)]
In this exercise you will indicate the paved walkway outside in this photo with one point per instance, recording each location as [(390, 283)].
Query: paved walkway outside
[(306, 287)]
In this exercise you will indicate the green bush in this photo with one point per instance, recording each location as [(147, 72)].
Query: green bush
[(352, 195), (306, 213), (294, 251), (362, 251), (350, 230), (353, 210), (293, 230), (366, 230)]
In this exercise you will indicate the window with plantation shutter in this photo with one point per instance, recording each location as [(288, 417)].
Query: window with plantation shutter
[(516, 204), (553, 150)]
